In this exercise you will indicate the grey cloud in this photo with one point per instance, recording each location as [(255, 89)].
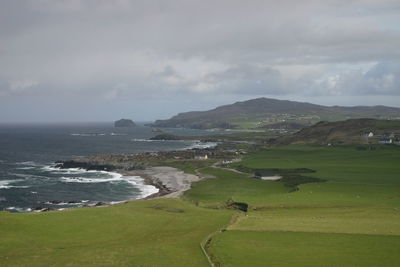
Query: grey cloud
[(116, 49), (382, 79), (246, 79)]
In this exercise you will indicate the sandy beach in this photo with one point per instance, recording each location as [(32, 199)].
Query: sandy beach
[(170, 181)]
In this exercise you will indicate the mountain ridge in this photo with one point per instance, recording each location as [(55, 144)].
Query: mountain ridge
[(263, 110)]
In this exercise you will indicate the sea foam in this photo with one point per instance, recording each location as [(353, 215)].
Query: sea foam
[(5, 184)]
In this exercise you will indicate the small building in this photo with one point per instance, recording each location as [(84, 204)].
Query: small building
[(201, 157), (385, 141), (368, 134), (388, 135)]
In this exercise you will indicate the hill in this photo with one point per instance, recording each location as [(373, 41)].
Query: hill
[(263, 111), (353, 131)]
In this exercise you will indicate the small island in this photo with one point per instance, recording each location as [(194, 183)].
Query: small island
[(166, 136), (124, 123)]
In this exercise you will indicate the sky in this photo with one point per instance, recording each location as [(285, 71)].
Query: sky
[(101, 60)]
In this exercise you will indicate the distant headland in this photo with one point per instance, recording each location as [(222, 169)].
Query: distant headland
[(124, 123)]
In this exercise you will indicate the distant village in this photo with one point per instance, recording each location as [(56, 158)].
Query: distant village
[(282, 117), (385, 138)]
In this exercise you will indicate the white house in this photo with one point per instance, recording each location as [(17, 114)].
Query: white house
[(368, 134), (201, 157)]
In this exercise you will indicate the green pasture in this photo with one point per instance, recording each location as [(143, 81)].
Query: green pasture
[(229, 185), (161, 232), (262, 248), (333, 195), (360, 220), (351, 219), (336, 164)]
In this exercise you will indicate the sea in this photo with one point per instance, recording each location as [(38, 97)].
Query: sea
[(30, 182)]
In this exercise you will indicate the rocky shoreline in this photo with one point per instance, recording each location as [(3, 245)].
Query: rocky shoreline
[(170, 182)]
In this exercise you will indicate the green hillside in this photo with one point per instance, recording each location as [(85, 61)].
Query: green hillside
[(354, 131), (263, 111)]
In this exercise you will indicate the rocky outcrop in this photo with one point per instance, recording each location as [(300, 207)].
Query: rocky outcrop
[(124, 123), (85, 165), (101, 163), (166, 136)]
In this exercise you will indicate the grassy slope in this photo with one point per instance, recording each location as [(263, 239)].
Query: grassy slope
[(351, 220), (360, 220), (336, 164), (141, 233), (234, 186), (241, 248), (313, 224)]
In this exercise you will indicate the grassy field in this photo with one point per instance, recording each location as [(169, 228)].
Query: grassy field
[(351, 219), (263, 248), (359, 220), (232, 186), (162, 232), (335, 164)]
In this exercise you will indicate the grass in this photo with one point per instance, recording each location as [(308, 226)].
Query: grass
[(255, 248), (351, 219), (232, 186), (359, 220), (157, 232), (336, 164)]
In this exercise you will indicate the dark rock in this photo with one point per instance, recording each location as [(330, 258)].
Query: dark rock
[(124, 123), (238, 206), (165, 136), (85, 165), (55, 202)]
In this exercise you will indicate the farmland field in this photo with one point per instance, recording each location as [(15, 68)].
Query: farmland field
[(160, 232), (350, 218)]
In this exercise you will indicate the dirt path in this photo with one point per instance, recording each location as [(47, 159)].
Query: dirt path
[(215, 166)]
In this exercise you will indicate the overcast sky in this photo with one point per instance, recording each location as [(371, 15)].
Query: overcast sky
[(100, 60)]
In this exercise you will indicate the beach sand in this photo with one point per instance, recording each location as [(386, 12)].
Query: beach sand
[(170, 181)]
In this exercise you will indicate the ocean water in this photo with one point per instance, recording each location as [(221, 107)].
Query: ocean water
[(29, 181)]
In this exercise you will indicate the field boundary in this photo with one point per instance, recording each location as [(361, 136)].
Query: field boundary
[(208, 238), (308, 232)]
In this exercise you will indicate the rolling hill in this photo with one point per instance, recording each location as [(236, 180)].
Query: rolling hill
[(353, 131), (263, 111)]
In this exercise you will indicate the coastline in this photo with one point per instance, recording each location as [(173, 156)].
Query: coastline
[(171, 182)]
